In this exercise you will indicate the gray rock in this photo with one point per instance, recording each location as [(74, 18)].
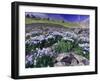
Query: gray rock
[(70, 60), (85, 62)]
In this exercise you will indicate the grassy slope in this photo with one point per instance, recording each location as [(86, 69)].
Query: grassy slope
[(65, 24)]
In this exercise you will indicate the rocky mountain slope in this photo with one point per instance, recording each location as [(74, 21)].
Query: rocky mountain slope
[(49, 45)]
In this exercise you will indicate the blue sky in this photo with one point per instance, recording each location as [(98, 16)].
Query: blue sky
[(65, 17)]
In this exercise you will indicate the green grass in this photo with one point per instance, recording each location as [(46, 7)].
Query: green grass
[(65, 24), (63, 46)]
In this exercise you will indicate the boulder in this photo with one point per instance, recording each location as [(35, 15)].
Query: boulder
[(85, 62), (71, 59)]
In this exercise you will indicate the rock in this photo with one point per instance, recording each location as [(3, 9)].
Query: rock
[(85, 62), (59, 64), (39, 38), (74, 62), (71, 59), (68, 39), (28, 34), (60, 56), (35, 32), (57, 33), (78, 30), (71, 35)]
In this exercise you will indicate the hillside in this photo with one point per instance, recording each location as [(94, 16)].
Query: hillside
[(59, 22)]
